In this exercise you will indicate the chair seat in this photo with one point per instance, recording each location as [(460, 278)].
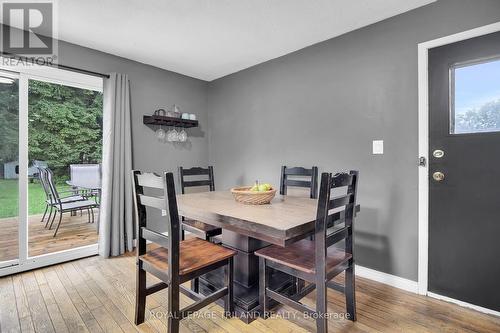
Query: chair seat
[(200, 228), (70, 199), (83, 204), (195, 254), (300, 256)]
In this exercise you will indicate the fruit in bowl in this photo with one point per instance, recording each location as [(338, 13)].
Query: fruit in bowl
[(258, 194), (261, 187)]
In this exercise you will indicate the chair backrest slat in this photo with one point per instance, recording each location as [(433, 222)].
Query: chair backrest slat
[(337, 236), (154, 202), (297, 183), (334, 219), (154, 237), (298, 171), (340, 201), (341, 180), (311, 183), (194, 183), (150, 180), (196, 171)]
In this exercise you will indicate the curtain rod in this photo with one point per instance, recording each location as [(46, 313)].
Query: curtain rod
[(60, 66)]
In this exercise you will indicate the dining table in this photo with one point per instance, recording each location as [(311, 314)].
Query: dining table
[(246, 229)]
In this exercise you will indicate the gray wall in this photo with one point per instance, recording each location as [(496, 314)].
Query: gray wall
[(324, 105), (152, 88)]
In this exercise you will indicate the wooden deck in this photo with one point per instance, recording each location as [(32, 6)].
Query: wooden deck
[(97, 295), (74, 232)]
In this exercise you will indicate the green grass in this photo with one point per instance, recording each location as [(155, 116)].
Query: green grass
[(9, 197)]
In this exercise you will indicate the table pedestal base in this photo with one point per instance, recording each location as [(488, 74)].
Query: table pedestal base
[(246, 299), (246, 276)]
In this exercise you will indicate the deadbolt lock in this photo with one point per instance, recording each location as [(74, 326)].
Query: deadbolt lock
[(438, 153), (438, 176)]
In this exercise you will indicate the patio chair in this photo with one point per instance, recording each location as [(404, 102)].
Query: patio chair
[(49, 202), (65, 207), (86, 179)]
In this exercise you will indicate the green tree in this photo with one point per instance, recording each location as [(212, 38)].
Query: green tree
[(9, 121), (484, 118), (65, 125)]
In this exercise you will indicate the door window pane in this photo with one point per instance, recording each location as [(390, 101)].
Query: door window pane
[(9, 169), (476, 98)]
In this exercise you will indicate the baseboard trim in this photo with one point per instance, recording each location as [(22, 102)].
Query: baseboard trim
[(463, 304), (412, 286), (391, 280)]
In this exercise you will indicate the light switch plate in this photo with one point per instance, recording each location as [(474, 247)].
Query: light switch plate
[(163, 212), (378, 147)]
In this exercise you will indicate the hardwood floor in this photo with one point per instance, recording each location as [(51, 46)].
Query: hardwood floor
[(74, 232), (97, 295)]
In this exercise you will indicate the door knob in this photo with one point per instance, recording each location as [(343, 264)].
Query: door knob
[(438, 176)]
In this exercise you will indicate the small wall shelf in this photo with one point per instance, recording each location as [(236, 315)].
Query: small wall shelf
[(169, 121)]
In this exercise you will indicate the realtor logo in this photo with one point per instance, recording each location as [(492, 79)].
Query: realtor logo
[(28, 28)]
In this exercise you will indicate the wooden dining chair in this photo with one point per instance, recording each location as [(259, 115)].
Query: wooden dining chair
[(311, 183), (174, 261), (318, 261), (309, 180), (198, 228)]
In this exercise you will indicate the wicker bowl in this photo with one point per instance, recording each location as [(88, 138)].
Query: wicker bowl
[(244, 195)]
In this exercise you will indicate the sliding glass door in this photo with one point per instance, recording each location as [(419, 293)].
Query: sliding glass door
[(64, 137), (50, 155)]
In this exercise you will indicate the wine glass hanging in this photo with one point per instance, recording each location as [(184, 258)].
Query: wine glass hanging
[(172, 135)]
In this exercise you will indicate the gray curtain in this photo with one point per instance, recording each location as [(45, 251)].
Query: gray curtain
[(116, 223)]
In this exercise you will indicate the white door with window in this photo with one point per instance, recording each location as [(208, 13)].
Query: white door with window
[(50, 119)]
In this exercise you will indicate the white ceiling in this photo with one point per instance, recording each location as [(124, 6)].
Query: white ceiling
[(208, 39)]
